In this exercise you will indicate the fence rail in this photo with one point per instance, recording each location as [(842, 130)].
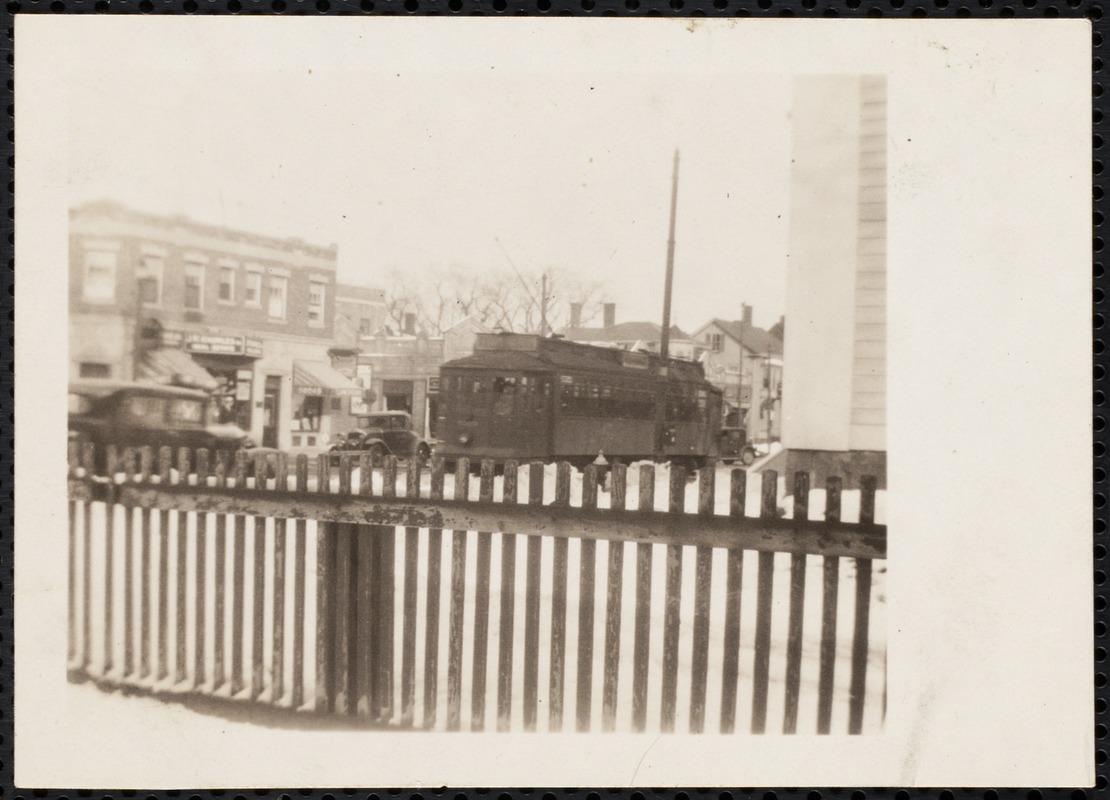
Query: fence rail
[(340, 606)]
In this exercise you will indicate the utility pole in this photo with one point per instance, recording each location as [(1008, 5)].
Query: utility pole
[(665, 335)]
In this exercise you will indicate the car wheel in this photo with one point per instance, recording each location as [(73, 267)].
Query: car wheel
[(423, 453), (377, 453), (747, 458)]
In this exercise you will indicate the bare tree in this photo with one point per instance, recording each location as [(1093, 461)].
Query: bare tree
[(497, 299)]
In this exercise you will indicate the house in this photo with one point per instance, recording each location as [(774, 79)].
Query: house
[(644, 336), (745, 363), (834, 412)]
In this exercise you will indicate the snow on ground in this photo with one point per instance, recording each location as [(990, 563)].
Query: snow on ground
[(780, 602)]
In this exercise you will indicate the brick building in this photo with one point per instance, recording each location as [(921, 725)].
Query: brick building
[(248, 317)]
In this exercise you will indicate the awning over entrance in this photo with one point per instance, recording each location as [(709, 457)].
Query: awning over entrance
[(318, 378), (169, 365)]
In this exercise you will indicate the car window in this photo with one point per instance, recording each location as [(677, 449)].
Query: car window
[(146, 409), (79, 404), (186, 412)]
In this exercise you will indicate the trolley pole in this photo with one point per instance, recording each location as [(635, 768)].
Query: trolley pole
[(543, 304), (665, 335)]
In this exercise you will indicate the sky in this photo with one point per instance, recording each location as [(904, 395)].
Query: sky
[(418, 164)]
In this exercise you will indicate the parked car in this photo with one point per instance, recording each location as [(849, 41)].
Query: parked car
[(734, 446), (382, 434), (139, 414)]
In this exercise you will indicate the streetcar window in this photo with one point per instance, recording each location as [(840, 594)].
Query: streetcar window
[(475, 385), (503, 385)]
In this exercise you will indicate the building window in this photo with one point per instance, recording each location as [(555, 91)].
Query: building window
[(316, 293), (100, 276), (148, 277), (716, 341), (90, 369), (227, 284), (275, 306), (364, 326), (194, 287), (252, 290)]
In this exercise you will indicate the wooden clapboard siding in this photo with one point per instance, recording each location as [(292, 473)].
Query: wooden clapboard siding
[(867, 421), (357, 619)]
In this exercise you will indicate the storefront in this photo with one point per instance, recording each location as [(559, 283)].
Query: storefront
[(321, 403), (220, 364)]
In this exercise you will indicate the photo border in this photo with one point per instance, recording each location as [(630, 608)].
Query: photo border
[(847, 9)]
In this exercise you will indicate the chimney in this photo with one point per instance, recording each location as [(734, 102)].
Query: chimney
[(575, 315), (746, 315), (410, 324), (610, 314)]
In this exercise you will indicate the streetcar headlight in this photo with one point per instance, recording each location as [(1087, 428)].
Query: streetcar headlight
[(464, 438)]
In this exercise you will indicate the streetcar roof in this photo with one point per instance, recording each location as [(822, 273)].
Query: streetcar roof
[(549, 355)]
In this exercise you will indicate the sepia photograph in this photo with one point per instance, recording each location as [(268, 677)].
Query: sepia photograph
[(421, 382)]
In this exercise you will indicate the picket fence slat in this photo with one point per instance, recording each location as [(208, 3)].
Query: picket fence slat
[(508, 600), (238, 582), (408, 639), (586, 580), (300, 554), (219, 601), (558, 650), (532, 606), (765, 588), (642, 632), (129, 471), (672, 601), (862, 615), (457, 601), (365, 701), (431, 624), (185, 539), (703, 577), (344, 602), (481, 609), (615, 587), (830, 592), (734, 577), (199, 579), (387, 536), (797, 602), (325, 609)]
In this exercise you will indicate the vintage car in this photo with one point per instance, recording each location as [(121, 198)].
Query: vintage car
[(382, 434), (141, 414), (734, 446)]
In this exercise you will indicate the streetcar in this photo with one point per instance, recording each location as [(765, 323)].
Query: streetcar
[(526, 398)]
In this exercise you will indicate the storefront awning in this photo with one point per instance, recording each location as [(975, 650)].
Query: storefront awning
[(318, 378), (169, 365)]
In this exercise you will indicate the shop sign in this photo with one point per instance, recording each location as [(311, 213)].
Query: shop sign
[(634, 360), (212, 343), (433, 385), (363, 375), (243, 391), (244, 375), (348, 365)]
